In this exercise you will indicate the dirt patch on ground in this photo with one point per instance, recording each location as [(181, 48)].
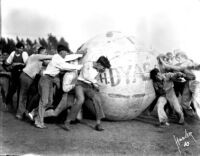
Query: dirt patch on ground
[(141, 136)]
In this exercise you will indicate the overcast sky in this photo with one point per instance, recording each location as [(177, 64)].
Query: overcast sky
[(162, 24)]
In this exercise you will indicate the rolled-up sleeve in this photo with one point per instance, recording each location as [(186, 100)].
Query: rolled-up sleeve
[(25, 56), (61, 64), (10, 58), (72, 57)]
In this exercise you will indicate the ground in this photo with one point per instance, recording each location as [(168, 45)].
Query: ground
[(140, 136)]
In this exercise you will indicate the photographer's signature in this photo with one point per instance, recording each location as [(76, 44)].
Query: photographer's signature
[(184, 141)]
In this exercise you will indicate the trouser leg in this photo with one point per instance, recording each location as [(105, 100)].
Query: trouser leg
[(4, 88), (11, 92), (186, 97), (45, 89), (160, 109), (195, 89), (79, 94), (96, 99), (25, 82), (173, 100), (33, 97), (61, 107), (33, 102)]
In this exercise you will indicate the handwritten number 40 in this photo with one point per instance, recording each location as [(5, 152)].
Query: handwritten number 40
[(186, 144)]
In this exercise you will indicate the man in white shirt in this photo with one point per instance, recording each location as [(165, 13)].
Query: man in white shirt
[(88, 86), (32, 68), (15, 62), (46, 82), (68, 83)]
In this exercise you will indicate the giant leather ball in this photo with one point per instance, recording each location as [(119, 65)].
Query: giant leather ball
[(128, 90)]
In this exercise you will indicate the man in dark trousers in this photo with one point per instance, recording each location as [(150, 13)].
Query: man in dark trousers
[(15, 62), (88, 86)]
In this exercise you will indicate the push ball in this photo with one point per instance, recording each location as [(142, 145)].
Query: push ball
[(127, 89)]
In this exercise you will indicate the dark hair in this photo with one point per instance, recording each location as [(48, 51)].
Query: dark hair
[(153, 73), (19, 45), (104, 61), (40, 49), (62, 47)]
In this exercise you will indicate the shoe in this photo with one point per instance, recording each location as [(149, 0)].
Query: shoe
[(77, 121), (19, 117), (98, 127), (42, 126), (181, 122), (29, 116), (66, 126), (6, 109), (167, 123), (164, 124)]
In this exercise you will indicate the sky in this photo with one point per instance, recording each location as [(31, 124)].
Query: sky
[(163, 25)]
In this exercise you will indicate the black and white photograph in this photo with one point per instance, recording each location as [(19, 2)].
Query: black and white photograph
[(99, 77)]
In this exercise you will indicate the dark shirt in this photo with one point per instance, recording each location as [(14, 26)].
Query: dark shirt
[(159, 88)]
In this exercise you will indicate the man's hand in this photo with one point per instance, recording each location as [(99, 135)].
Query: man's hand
[(197, 67), (18, 64), (79, 55), (95, 86), (180, 74)]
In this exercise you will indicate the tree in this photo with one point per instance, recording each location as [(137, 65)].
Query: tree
[(43, 42), (52, 41), (10, 46), (29, 42), (63, 42), (3, 44), (17, 39)]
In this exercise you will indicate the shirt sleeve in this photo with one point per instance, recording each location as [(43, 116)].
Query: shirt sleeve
[(62, 65), (10, 58), (44, 57), (25, 56), (69, 81), (73, 57), (88, 72), (169, 76)]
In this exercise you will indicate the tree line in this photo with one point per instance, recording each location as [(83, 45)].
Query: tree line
[(7, 45)]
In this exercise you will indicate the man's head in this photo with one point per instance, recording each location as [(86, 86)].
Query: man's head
[(170, 57), (63, 50), (42, 50), (162, 57), (155, 74), (102, 63), (19, 47), (181, 57)]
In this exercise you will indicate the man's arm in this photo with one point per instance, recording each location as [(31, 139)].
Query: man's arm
[(72, 57), (42, 57), (25, 56), (9, 60), (181, 67), (62, 65), (173, 76)]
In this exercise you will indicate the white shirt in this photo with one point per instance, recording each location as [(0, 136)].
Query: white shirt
[(11, 56), (34, 64), (57, 64), (88, 73), (72, 57)]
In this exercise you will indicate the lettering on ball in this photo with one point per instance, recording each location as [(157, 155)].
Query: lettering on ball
[(130, 74)]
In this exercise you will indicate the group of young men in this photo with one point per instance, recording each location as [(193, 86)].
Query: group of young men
[(176, 82), (38, 77)]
